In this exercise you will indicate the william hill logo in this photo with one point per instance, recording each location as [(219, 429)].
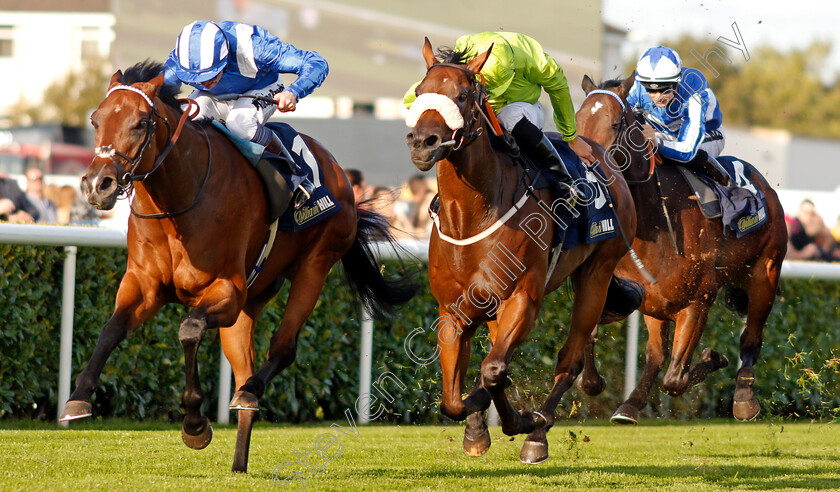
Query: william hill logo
[(751, 221), (601, 227), (321, 205)]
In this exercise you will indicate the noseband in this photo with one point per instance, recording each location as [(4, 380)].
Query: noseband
[(477, 96)]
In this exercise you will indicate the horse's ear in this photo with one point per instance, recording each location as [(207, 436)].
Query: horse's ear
[(476, 63), (115, 79), (587, 85), (627, 83), (428, 53)]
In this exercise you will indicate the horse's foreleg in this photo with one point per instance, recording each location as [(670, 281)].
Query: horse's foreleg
[(453, 339), (238, 345), (476, 434), (656, 352), (196, 431), (762, 295), (690, 324), (515, 318), (132, 310), (591, 281)]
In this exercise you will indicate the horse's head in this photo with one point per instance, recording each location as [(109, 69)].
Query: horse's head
[(125, 125), (604, 113), (446, 108)]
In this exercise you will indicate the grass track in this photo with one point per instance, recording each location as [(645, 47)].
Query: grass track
[(696, 456)]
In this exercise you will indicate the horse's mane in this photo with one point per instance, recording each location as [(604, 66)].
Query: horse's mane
[(451, 55), (609, 84), (146, 71)]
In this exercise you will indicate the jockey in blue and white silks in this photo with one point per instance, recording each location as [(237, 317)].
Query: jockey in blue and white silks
[(224, 58), (682, 109)]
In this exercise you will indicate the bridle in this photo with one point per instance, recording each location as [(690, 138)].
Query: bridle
[(478, 95), (125, 183), (623, 126)]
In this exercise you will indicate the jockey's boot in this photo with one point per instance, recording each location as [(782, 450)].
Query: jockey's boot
[(540, 149), (305, 188), (708, 165)]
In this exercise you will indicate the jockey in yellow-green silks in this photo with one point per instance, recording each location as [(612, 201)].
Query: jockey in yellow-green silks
[(515, 74)]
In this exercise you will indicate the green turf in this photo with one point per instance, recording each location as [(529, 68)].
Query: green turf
[(698, 456)]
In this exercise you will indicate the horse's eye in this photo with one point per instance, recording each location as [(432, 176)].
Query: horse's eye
[(616, 126), (142, 124), (462, 97)]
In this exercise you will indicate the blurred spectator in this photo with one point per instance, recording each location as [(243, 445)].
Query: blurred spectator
[(14, 207), (835, 231), (72, 209), (357, 181), (382, 201), (35, 194), (808, 237), (411, 211)]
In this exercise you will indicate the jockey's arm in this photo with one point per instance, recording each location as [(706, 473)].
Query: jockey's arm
[(550, 77), (692, 131)]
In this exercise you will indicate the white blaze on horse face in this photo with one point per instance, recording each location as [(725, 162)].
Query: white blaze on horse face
[(435, 102), (596, 107)]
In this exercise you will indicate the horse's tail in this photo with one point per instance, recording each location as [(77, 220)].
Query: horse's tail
[(380, 296)]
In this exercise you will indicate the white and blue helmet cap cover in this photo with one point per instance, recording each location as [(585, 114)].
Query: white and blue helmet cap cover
[(202, 52), (659, 67)]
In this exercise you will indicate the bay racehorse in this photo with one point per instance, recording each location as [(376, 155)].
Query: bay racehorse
[(692, 263), (199, 221), (486, 265)]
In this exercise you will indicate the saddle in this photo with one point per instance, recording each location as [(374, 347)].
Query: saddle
[(741, 206), (278, 184)]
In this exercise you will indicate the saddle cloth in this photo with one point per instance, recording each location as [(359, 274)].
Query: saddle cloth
[(591, 219), (280, 184), (741, 208)]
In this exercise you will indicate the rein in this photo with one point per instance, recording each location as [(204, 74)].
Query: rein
[(109, 152)]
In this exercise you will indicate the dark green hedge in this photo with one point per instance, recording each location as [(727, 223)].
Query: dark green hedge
[(797, 374)]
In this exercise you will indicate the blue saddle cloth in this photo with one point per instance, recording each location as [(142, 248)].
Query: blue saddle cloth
[(743, 206), (321, 204), (591, 219)]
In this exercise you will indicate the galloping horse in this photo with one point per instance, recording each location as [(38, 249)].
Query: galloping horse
[(486, 266), (691, 263), (198, 224)]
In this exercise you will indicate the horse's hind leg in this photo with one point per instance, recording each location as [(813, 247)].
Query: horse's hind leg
[(306, 287), (196, 431), (591, 382), (762, 295), (238, 345), (656, 352), (691, 322)]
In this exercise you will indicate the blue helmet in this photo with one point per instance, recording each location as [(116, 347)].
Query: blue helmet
[(659, 66), (201, 51)]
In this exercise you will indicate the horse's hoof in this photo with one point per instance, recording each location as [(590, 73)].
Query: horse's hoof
[(718, 360), (75, 410), (243, 400), (533, 452), (593, 388), (625, 415), (476, 446), (200, 440), (744, 411)]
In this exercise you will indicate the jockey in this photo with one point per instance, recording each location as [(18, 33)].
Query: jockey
[(235, 58), (681, 110), (515, 74)]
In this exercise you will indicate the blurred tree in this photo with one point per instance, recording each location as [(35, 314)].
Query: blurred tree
[(68, 100)]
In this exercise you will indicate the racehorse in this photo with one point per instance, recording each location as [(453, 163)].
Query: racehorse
[(487, 265), (690, 256), (198, 224)]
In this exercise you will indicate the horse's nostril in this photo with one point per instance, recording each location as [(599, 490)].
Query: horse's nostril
[(431, 141), (105, 185)]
